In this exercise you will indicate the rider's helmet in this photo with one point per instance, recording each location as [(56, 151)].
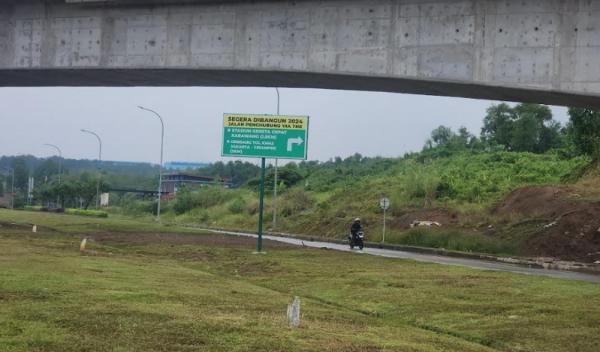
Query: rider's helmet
[(357, 220)]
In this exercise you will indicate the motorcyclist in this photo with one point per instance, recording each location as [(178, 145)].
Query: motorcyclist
[(356, 227)]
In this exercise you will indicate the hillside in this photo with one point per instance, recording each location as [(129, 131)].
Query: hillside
[(495, 202)]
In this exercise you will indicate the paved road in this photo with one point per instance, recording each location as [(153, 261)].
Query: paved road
[(471, 263)]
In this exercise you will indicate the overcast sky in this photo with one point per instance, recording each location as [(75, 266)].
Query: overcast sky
[(341, 122)]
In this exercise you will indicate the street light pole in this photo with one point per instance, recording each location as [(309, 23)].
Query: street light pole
[(162, 137), (99, 162), (12, 186), (12, 189), (275, 178), (59, 166), (59, 159)]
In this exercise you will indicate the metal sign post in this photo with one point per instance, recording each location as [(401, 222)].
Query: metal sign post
[(264, 136), (384, 204)]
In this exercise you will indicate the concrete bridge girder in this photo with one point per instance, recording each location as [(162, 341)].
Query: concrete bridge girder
[(545, 51)]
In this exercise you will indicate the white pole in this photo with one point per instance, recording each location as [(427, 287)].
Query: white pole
[(383, 240), (59, 167), (162, 138), (99, 163)]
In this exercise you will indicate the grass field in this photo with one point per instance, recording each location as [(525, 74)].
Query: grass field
[(145, 287)]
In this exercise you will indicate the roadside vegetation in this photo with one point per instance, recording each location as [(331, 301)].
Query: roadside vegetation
[(457, 180), (141, 286)]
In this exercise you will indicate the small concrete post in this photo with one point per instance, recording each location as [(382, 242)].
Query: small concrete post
[(82, 245), (293, 313), (34, 229)]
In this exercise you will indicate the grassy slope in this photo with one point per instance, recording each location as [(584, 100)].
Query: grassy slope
[(140, 297), (468, 184)]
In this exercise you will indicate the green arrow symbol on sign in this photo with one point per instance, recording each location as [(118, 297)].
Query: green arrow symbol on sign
[(292, 141)]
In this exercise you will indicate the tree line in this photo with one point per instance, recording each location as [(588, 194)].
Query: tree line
[(519, 128), (523, 128)]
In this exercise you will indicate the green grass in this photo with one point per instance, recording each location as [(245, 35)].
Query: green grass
[(452, 240), (67, 223), (84, 212), (126, 295), (71, 211)]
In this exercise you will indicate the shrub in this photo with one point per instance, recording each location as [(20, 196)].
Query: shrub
[(133, 205), (455, 240), (237, 206), (204, 198), (295, 201)]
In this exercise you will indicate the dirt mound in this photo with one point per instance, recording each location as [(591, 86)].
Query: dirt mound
[(547, 202), (572, 226), (575, 236), (443, 216)]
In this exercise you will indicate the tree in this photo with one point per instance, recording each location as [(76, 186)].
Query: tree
[(553, 135), (525, 134), (44, 171), (584, 130), (525, 127), (46, 192), (287, 175), (444, 141), (21, 172), (498, 125), (87, 188), (441, 135), (239, 172), (72, 190)]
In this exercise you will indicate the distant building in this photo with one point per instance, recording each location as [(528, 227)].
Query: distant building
[(183, 165), (174, 181)]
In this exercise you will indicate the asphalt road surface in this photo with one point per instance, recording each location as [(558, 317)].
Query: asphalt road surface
[(430, 258)]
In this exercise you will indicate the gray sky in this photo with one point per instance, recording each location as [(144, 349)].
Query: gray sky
[(341, 122)]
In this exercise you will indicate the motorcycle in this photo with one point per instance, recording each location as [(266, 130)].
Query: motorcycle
[(356, 240)]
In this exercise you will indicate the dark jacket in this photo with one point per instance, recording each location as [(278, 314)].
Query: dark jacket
[(355, 228)]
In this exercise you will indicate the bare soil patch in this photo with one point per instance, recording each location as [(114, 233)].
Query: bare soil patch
[(7, 225), (572, 225), (180, 239)]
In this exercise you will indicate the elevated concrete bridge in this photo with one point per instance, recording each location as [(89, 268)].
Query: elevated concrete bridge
[(545, 51)]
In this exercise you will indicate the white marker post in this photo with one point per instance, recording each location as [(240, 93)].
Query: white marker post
[(384, 203), (293, 313)]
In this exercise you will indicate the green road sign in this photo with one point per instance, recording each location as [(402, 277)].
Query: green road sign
[(265, 136)]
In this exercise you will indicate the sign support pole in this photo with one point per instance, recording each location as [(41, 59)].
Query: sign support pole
[(261, 206), (383, 239), (384, 204)]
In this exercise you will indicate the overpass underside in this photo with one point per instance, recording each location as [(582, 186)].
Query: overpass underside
[(545, 51)]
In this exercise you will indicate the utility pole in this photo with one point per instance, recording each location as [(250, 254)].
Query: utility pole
[(275, 178), (99, 163), (162, 137)]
